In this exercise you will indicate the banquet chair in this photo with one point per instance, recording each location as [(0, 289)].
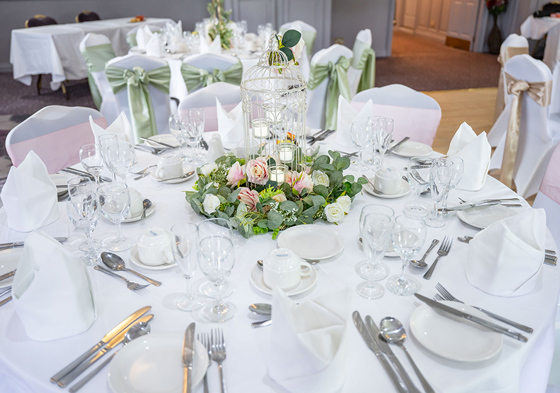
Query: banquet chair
[(131, 35), (328, 79), (415, 114), (308, 33), (144, 100), (228, 94), (202, 70), (97, 51), (87, 16), (361, 74), (55, 134), (537, 136)]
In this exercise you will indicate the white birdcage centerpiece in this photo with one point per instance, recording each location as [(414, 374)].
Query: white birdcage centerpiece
[(274, 102)]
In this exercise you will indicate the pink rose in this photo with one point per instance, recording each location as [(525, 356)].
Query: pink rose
[(304, 181), (279, 197), (235, 174), (290, 177), (248, 197), (257, 171)]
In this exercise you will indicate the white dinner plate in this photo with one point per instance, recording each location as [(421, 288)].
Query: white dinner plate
[(154, 364), (174, 181), (412, 149), (452, 337), (168, 139), (312, 241), (405, 190), (136, 260), (9, 261), (151, 210), (481, 217), (306, 283)]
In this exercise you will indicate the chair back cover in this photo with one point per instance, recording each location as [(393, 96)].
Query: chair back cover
[(415, 114), (361, 75), (303, 61), (328, 78), (55, 134), (548, 196), (308, 33), (87, 16), (40, 20), (131, 35), (202, 70)]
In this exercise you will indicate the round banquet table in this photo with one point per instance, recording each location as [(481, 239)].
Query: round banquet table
[(27, 365)]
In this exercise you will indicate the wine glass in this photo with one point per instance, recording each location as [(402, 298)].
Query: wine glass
[(361, 134), (121, 157), (178, 127), (105, 142), (419, 177), (408, 238), (115, 204), (92, 159), (382, 134), (196, 129), (82, 208), (443, 173), (458, 171), (185, 238)]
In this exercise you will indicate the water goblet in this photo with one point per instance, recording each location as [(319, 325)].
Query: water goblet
[(443, 174), (83, 211), (361, 134), (115, 204), (382, 134), (458, 171), (178, 127), (196, 129), (419, 177), (92, 159), (105, 142), (121, 157)]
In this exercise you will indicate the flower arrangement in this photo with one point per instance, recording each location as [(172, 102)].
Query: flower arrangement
[(496, 7), (221, 24), (291, 44), (242, 192)]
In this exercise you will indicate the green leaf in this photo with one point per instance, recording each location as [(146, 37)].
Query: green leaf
[(263, 224), (336, 179), (221, 199), (196, 206), (362, 181), (288, 52), (322, 160), (223, 215), (356, 189), (231, 198), (341, 163), (349, 178), (334, 154), (224, 191), (274, 219), (318, 200), (291, 38), (321, 190), (229, 210), (288, 206), (326, 167)]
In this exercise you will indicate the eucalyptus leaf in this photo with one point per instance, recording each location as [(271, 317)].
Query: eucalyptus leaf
[(233, 196), (341, 163), (274, 219), (321, 190), (334, 154), (229, 210), (362, 181), (263, 224), (289, 206), (291, 38)]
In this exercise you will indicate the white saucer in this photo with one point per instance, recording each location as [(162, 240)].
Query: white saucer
[(136, 260), (412, 149), (311, 242), (9, 261), (168, 139), (151, 210), (304, 285), (174, 181), (405, 190), (481, 217)]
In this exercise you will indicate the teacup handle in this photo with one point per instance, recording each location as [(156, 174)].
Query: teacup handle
[(305, 269), (160, 172)]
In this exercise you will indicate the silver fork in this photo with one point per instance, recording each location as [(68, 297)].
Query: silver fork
[(205, 340), (448, 296), (443, 251), (218, 348), (133, 286)]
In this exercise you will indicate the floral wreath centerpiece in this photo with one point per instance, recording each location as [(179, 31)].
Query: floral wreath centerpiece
[(272, 184)]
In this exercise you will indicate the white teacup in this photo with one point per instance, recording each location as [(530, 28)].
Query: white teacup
[(136, 205), (388, 181), (284, 269), (169, 167), (154, 247)]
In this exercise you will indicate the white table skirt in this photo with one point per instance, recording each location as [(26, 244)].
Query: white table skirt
[(26, 365), (536, 28)]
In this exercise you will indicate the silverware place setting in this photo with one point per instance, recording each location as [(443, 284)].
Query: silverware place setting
[(442, 252), (133, 286)]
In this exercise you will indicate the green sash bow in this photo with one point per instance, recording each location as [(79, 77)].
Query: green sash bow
[(338, 85), (136, 81), (364, 59), (196, 77), (308, 38), (96, 58)]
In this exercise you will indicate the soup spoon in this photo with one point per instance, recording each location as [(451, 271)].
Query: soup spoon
[(115, 262)]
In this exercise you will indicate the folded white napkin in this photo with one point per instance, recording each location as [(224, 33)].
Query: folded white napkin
[(120, 127), (230, 125), (346, 115), (51, 290), (154, 46), (29, 195), (213, 47), (308, 344), (475, 152), (143, 35), (505, 259)]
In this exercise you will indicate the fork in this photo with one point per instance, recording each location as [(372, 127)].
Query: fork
[(448, 296), (133, 286), (443, 251), (218, 348), (205, 340)]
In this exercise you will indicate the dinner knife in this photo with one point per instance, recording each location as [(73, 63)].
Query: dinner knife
[(158, 142), (188, 354), (466, 206), (392, 148), (372, 345), (384, 346), (8, 275), (5, 301), (472, 318), (108, 337), (8, 246)]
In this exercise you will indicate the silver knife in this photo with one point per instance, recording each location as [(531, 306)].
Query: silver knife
[(466, 206), (472, 318), (372, 344), (8, 275), (8, 246), (389, 150), (374, 331), (158, 142), (188, 355)]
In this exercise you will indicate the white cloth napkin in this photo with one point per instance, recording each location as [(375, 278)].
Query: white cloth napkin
[(230, 125), (308, 342), (51, 290), (214, 47), (505, 259), (143, 35), (120, 127), (154, 46), (475, 152), (29, 195), (346, 115)]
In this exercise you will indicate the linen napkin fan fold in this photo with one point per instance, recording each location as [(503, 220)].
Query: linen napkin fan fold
[(309, 346), (29, 195), (154, 46), (346, 115), (120, 127), (143, 35), (475, 152), (51, 290), (230, 125), (214, 47), (506, 258)]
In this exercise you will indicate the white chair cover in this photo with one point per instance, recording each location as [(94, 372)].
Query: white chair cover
[(209, 62), (537, 136), (362, 42)]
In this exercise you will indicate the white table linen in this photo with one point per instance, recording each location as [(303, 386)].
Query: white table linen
[(519, 367), (536, 28)]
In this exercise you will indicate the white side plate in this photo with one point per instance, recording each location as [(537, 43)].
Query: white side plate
[(311, 241)]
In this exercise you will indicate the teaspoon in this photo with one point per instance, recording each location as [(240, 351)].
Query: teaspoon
[(115, 262), (146, 204), (261, 309), (421, 263)]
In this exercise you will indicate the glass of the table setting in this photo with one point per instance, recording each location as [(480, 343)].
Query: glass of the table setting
[(458, 166), (92, 159), (196, 128), (106, 141), (408, 238), (444, 172), (382, 134), (185, 238), (178, 126), (361, 135), (121, 156), (418, 173), (114, 200)]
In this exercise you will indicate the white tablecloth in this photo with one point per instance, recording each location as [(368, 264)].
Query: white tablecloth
[(55, 50), (26, 365), (536, 28)]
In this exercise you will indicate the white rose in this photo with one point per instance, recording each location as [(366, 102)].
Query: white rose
[(208, 168), (345, 202), (211, 203), (334, 212), (320, 178)]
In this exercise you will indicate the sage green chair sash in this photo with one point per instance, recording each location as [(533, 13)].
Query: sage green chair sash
[(131, 40), (136, 81), (337, 86), (197, 77), (96, 58), (364, 60), (308, 38)]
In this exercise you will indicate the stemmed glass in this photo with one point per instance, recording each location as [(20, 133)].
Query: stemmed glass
[(196, 129), (382, 134), (419, 177), (178, 127), (408, 238), (121, 157), (445, 173), (361, 134), (105, 142), (458, 171), (92, 159), (185, 238), (115, 204)]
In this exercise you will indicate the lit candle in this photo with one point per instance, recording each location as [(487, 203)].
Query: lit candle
[(285, 152), (260, 128)]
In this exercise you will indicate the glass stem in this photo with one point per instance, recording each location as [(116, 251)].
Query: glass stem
[(360, 156), (120, 237), (188, 287), (404, 264)]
